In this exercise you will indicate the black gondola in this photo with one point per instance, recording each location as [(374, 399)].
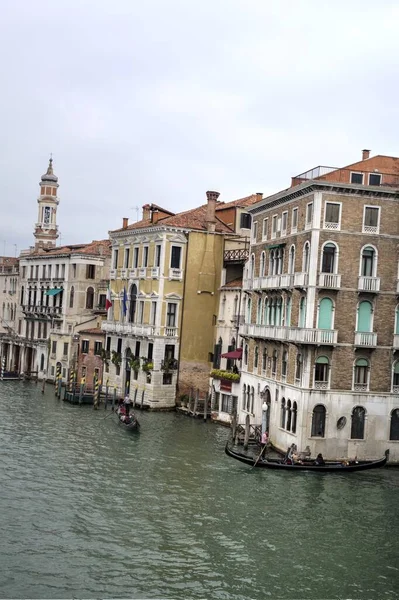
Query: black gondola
[(309, 465), (130, 422)]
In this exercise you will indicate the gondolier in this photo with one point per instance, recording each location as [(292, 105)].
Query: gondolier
[(128, 404)]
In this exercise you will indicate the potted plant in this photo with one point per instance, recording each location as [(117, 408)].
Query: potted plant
[(134, 363), (116, 360), (148, 365)]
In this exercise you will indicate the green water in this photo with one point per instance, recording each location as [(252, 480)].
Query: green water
[(88, 510)]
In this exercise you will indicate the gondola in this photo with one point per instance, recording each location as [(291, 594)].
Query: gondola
[(130, 423), (309, 465)]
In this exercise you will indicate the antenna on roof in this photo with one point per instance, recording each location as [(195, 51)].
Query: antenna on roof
[(136, 208)]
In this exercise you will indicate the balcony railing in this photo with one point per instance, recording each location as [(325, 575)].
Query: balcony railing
[(113, 273), (396, 341), (138, 329), (369, 284), (154, 272), (329, 280), (142, 272), (175, 274), (238, 255), (124, 273), (291, 334), (300, 279), (363, 338), (132, 273)]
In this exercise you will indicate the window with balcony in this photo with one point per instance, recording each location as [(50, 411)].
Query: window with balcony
[(371, 219), (175, 257), (358, 421), (329, 258), (325, 317), (287, 311), (332, 215), (264, 229), (364, 317), (126, 258), (357, 178), (71, 296), (302, 312), (245, 221), (375, 179), (321, 373), (318, 421), (309, 215), (153, 313), (171, 314), (145, 257), (306, 257), (140, 318), (262, 264), (294, 220), (259, 312), (361, 375), (133, 303), (394, 426), (157, 256), (135, 257), (368, 266), (291, 260)]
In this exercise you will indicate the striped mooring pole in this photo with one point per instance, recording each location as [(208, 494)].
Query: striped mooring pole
[(106, 394), (71, 378), (96, 388), (82, 387), (3, 368)]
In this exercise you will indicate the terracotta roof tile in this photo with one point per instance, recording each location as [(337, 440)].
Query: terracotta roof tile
[(93, 331), (246, 201), (236, 283), (96, 247)]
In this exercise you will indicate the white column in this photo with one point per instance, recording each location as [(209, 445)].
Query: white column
[(313, 260)]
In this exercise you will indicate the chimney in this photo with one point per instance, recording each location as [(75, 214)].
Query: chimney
[(155, 216), (259, 196), (125, 222), (210, 212), (365, 154), (146, 212)]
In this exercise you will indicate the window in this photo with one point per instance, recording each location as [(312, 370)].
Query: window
[(71, 297), (101, 301), (115, 261), (325, 317), (23, 272), (364, 317), (289, 416), (97, 348), (358, 421), (274, 226), (157, 258), (274, 362), (254, 231), (394, 428), (361, 375), (264, 229), (264, 359), (357, 178), (284, 221), (133, 301), (374, 179), (262, 265), (135, 258), (291, 260), (140, 318), (328, 263), (245, 221), (282, 413), (371, 219), (153, 313), (256, 357), (85, 346), (167, 378), (284, 364), (309, 215), (74, 270), (108, 344), (171, 314), (127, 257), (294, 220), (90, 298), (306, 258), (145, 256), (53, 347), (368, 262), (294, 417), (321, 372), (332, 215), (175, 257), (225, 403), (318, 421), (298, 368), (90, 271), (395, 377), (65, 349), (246, 354)]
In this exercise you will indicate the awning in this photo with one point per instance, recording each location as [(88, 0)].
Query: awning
[(233, 354), (53, 292), (275, 246)]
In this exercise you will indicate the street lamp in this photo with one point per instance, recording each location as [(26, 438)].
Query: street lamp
[(265, 408)]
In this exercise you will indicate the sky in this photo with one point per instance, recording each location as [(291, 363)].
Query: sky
[(161, 100)]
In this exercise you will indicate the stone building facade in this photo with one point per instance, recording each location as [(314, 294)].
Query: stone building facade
[(321, 331)]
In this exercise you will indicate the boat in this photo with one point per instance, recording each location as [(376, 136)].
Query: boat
[(129, 423), (330, 466)]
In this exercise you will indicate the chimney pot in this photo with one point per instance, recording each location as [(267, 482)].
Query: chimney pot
[(146, 212), (125, 222), (365, 154), (210, 212)]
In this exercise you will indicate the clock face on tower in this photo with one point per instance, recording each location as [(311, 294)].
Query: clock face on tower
[(47, 215)]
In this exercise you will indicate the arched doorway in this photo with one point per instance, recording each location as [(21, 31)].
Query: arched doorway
[(266, 398)]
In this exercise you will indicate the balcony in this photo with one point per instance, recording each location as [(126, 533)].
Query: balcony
[(300, 280), (291, 334), (369, 284), (238, 255), (142, 272), (132, 273), (169, 331), (169, 364), (176, 274), (330, 281), (154, 272), (365, 339), (124, 273), (133, 329), (247, 284), (113, 273), (396, 341)]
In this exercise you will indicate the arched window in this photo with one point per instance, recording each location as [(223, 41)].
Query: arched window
[(284, 364), (298, 368), (283, 411), (358, 422), (318, 421), (244, 396), (325, 314), (368, 264), (133, 303), (71, 297), (279, 303), (42, 362), (397, 320), (256, 357), (246, 354), (252, 266), (394, 428), (321, 373), (289, 415), (329, 258), (287, 316), (302, 312), (249, 311), (306, 257), (395, 377), (262, 265), (294, 417), (364, 316), (90, 297), (259, 312), (274, 362), (361, 375), (291, 260), (280, 260), (252, 399), (264, 359)]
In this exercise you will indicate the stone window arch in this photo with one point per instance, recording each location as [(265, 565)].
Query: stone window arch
[(368, 261), (361, 375), (90, 298), (318, 421), (394, 425), (329, 258), (358, 422), (71, 296), (283, 410)]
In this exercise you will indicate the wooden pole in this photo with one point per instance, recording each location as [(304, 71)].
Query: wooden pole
[(106, 395), (234, 427), (142, 398), (246, 437), (205, 406), (196, 403), (82, 386), (44, 384), (59, 385), (113, 399)]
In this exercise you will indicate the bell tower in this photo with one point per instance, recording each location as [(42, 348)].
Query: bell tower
[(46, 229)]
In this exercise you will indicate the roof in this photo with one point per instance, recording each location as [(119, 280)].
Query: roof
[(93, 331), (8, 261), (236, 283), (94, 248), (241, 202)]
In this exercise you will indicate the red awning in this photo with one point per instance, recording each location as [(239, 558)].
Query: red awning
[(234, 354)]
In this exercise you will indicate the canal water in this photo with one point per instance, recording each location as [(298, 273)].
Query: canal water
[(88, 510)]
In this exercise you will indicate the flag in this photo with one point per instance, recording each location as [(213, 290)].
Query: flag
[(108, 301), (124, 302)]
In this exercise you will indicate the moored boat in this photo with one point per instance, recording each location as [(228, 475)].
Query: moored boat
[(329, 466)]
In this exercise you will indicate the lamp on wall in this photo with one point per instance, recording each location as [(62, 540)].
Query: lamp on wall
[(265, 408)]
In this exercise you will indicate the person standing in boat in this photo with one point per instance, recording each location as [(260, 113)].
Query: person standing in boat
[(128, 403), (264, 441)]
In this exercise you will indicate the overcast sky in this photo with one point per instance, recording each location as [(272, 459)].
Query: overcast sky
[(161, 100)]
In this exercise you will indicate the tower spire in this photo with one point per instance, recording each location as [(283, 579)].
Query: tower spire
[(46, 229)]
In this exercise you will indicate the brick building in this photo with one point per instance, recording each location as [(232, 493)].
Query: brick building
[(321, 331), (89, 346)]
